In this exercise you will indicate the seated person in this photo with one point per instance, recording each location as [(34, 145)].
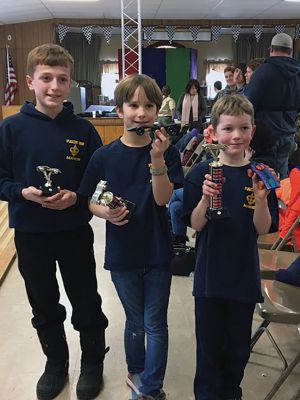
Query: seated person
[(291, 275), (175, 210), (167, 109)]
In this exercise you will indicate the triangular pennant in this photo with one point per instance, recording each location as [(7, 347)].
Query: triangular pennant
[(170, 29), (297, 32), (279, 28), (257, 29), (215, 32), (62, 31), (148, 31), (87, 31), (194, 32), (107, 32), (236, 30), (127, 32)]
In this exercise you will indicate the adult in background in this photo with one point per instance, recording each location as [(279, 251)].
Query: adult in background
[(274, 90), (191, 107), (167, 109)]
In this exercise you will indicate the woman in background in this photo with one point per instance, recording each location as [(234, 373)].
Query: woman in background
[(167, 109), (191, 107)]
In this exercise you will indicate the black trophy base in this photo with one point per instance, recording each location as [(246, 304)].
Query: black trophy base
[(130, 207), (49, 191), (214, 214)]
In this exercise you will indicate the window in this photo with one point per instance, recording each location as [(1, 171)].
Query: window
[(215, 72), (109, 80)]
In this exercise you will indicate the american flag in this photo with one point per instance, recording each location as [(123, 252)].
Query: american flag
[(11, 85)]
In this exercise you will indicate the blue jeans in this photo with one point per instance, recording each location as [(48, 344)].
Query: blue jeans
[(284, 146), (175, 210), (145, 296)]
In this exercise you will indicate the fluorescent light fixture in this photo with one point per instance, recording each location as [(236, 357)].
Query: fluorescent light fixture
[(295, 1), (74, 1)]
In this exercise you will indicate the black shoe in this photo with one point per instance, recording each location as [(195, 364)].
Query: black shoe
[(90, 382), (52, 382)]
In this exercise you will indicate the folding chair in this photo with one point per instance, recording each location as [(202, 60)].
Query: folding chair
[(272, 260), (281, 305)]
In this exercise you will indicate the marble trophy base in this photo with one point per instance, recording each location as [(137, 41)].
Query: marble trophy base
[(218, 213), (49, 191)]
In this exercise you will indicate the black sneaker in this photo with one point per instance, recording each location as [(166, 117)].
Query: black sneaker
[(52, 382), (90, 382)]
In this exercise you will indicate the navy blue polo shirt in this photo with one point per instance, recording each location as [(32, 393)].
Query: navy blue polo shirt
[(227, 264)]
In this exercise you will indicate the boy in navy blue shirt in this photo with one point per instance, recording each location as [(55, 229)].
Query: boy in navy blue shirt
[(55, 228), (139, 250), (227, 276)]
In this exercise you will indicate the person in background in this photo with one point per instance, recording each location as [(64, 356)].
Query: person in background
[(167, 109), (227, 276), (274, 91), (138, 250), (239, 78), (54, 228), (217, 89), (230, 87), (251, 66), (191, 106)]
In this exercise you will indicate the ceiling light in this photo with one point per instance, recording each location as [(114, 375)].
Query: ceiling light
[(296, 1), (78, 1)]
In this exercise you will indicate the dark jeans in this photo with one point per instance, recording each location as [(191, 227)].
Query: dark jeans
[(145, 296), (175, 210), (73, 251), (223, 333)]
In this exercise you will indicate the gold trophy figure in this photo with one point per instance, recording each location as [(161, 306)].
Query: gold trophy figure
[(216, 209), (101, 196), (48, 190)]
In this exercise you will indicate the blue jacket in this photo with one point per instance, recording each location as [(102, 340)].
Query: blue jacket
[(274, 91)]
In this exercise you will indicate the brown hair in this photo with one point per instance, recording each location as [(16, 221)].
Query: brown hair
[(229, 69), (231, 105), (49, 54), (254, 63), (128, 85)]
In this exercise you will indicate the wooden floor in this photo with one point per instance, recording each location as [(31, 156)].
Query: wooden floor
[(7, 246)]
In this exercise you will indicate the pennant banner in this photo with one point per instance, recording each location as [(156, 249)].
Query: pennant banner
[(127, 32), (215, 32), (236, 30), (194, 32), (171, 32), (107, 32), (279, 28), (257, 29), (62, 31), (148, 31), (297, 32), (87, 31)]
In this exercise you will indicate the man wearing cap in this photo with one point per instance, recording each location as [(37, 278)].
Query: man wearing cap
[(274, 90)]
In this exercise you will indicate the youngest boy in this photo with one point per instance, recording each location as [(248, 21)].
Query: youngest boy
[(227, 277)]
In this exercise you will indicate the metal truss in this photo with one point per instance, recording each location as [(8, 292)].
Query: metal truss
[(131, 30)]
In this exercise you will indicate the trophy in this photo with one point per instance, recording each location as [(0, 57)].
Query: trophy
[(48, 190), (101, 196), (216, 209)]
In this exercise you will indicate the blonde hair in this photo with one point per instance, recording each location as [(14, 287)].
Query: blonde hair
[(231, 105), (49, 54), (128, 85)]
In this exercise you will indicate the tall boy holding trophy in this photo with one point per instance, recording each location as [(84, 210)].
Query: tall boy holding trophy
[(229, 213), (138, 250), (47, 142)]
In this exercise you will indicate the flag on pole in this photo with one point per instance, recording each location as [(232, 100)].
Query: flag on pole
[(11, 85)]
